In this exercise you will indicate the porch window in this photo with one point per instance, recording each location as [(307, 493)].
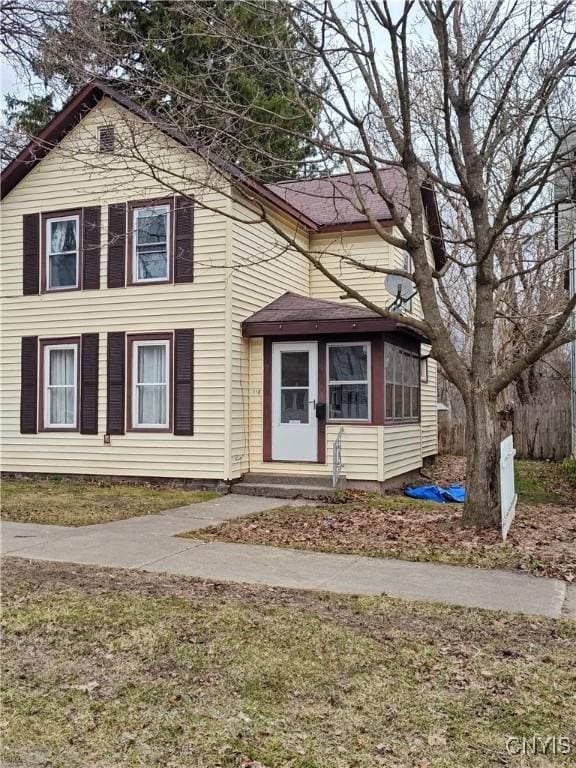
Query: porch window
[(62, 238), (60, 378), (150, 383), (151, 244), (349, 381), (402, 384)]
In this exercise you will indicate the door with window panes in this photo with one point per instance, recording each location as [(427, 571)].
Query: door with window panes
[(294, 396)]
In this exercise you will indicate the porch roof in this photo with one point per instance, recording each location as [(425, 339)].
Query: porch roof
[(292, 314)]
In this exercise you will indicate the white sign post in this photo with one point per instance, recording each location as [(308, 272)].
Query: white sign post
[(508, 496)]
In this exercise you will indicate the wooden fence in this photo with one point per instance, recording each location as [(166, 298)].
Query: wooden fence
[(540, 432)]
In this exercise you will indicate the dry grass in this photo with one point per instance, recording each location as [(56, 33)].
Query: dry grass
[(126, 669), (542, 539), (76, 502)]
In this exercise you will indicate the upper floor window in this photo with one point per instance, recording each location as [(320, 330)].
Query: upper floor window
[(62, 241), (349, 381), (60, 384), (151, 243)]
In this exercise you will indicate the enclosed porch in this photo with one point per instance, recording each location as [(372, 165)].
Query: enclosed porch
[(336, 395)]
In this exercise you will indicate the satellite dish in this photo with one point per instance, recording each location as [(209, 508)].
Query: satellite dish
[(399, 287)]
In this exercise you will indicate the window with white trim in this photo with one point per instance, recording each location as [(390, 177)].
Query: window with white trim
[(349, 381), (150, 384), (62, 251), (151, 243), (60, 376)]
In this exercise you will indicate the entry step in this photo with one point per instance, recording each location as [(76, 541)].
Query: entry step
[(284, 490), (288, 486)]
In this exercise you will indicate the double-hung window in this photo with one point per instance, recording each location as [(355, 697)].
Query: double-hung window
[(349, 381), (150, 392), (151, 243), (60, 378), (62, 238)]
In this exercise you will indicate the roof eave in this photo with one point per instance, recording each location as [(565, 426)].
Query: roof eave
[(352, 226), (49, 136), (317, 327)]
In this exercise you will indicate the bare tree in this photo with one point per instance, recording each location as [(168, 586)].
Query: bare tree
[(472, 99), (23, 28)]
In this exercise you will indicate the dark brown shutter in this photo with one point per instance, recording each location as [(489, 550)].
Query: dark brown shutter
[(89, 385), (184, 240), (91, 249), (116, 383), (184, 382), (117, 245), (29, 385), (31, 253)]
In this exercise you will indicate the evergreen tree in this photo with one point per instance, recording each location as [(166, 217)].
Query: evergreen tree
[(173, 59)]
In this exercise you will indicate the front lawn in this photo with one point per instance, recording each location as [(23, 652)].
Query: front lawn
[(118, 668), (78, 502), (542, 539)]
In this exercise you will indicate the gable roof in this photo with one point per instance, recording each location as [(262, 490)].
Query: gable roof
[(292, 313), (321, 204), (333, 202), (85, 100)]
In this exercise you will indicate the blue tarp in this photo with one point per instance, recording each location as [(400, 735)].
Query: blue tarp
[(436, 493)]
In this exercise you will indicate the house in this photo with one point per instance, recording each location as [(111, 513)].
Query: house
[(155, 326)]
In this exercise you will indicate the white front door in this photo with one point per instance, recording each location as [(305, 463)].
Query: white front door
[(294, 395)]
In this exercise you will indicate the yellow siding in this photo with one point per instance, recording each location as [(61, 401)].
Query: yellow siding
[(362, 245), (240, 266), (72, 177), (263, 269), (402, 451), (360, 452), (430, 411), (367, 247)]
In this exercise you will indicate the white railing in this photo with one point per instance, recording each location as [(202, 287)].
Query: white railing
[(508, 497), (337, 458)]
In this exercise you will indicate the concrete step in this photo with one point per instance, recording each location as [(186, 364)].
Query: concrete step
[(320, 481), (284, 490)]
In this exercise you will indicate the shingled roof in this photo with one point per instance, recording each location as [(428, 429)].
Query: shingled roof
[(321, 204), (292, 313), (337, 202), (334, 200)]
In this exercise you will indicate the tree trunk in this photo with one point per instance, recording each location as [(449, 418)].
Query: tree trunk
[(482, 507)]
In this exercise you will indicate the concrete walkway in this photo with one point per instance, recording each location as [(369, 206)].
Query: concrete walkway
[(149, 544)]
